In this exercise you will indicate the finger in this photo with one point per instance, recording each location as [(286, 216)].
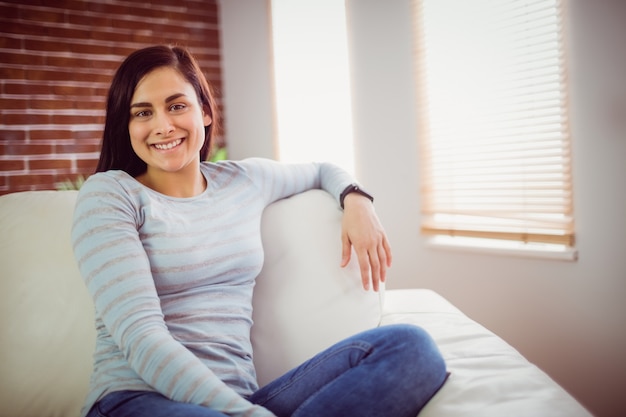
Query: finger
[(364, 266), (346, 249), (384, 262), (375, 269), (388, 254)]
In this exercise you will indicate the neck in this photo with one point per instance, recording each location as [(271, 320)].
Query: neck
[(174, 184)]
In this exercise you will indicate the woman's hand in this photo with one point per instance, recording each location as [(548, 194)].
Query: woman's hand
[(362, 230)]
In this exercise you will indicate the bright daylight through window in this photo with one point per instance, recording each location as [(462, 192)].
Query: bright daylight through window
[(311, 77), (494, 135)]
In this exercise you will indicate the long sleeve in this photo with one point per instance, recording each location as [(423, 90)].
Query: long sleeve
[(279, 180), (118, 274)]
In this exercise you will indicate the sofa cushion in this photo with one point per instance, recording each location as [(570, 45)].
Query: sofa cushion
[(304, 301), (46, 314)]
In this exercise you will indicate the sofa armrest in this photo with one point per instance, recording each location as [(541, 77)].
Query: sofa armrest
[(304, 301)]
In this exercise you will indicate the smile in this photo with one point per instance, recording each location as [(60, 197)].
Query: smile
[(168, 146)]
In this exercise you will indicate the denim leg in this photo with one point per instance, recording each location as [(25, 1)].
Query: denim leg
[(388, 371), (146, 404)]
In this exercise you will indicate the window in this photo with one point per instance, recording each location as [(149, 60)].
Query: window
[(493, 122), (312, 85)]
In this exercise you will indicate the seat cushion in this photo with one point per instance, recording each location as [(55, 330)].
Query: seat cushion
[(488, 377)]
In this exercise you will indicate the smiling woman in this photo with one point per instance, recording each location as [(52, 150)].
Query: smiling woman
[(169, 246)]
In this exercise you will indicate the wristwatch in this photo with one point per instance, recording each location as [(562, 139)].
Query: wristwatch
[(353, 188)]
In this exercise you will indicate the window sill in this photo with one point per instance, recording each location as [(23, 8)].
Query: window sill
[(497, 247)]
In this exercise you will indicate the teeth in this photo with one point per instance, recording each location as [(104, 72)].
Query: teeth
[(165, 146)]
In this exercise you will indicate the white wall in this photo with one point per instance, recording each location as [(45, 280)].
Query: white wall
[(247, 78), (567, 317)]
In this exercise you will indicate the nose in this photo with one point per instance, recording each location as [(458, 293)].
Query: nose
[(163, 124)]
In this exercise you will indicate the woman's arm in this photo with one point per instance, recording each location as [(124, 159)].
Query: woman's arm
[(361, 228)]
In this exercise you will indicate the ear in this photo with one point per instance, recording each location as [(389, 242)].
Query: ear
[(206, 118)]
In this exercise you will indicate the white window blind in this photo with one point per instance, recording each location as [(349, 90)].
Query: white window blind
[(494, 136)]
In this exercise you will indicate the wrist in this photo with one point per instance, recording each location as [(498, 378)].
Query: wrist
[(353, 190)]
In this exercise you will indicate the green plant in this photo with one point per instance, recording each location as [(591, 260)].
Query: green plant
[(70, 185), (218, 154)]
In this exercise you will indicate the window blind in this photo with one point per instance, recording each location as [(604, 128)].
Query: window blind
[(493, 120)]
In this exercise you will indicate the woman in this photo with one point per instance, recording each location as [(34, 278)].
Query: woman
[(169, 247)]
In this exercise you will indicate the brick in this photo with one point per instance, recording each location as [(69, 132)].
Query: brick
[(22, 182), (13, 104), (25, 119), (10, 11), (79, 62), (68, 119), (40, 15), (25, 149), (64, 74), (76, 5), (10, 73), (77, 148), (104, 33), (49, 164), (45, 104), (86, 163), (93, 20), (19, 58), (10, 43), (79, 90), (17, 87), (51, 134), (96, 104), (81, 135), (12, 135), (12, 165)]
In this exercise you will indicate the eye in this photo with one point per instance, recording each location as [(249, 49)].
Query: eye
[(178, 107), (142, 113)]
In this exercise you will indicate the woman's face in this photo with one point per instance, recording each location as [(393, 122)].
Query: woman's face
[(167, 122)]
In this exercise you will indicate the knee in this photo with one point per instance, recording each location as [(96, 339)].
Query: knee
[(414, 345), (408, 335)]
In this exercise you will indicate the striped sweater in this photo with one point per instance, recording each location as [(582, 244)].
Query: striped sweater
[(172, 278)]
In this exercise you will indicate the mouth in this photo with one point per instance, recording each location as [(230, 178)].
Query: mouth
[(166, 146)]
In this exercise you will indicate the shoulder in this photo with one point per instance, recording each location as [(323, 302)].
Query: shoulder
[(250, 168), (107, 189), (238, 165), (114, 182)]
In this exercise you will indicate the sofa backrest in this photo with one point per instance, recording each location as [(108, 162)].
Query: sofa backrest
[(46, 314), (303, 300)]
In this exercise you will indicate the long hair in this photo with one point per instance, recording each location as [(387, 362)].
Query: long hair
[(117, 152)]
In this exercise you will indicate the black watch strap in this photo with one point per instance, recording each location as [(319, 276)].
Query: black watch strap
[(353, 188)]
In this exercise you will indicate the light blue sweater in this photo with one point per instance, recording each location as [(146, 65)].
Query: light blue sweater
[(172, 278)]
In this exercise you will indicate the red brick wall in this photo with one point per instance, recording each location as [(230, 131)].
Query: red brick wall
[(58, 57)]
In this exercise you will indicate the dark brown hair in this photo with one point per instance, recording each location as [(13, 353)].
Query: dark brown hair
[(117, 152)]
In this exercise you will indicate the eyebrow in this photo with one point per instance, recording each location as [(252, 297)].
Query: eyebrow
[(167, 100)]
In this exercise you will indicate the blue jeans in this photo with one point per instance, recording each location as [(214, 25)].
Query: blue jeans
[(388, 371)]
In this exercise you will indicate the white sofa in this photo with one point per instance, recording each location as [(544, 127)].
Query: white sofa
[(303, 302)]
